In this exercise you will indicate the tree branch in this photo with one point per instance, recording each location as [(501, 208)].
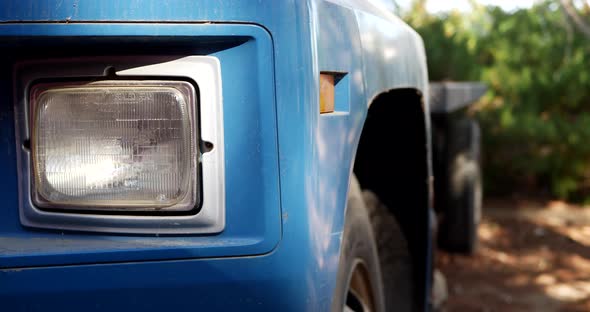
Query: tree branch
[(569, 9)]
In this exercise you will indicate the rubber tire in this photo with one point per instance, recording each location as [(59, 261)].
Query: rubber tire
[(458, 228), (394, 255), (358, 244)]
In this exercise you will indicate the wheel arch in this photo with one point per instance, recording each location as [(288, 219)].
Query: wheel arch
[(393, 159)]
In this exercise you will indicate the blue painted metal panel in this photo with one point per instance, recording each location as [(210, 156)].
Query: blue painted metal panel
[(315, 155), (234, 284), (253, 208)]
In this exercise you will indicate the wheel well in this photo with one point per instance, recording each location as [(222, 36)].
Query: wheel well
[(392, 160)]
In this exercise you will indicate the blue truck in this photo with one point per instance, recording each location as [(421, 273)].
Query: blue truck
[(230, 155)]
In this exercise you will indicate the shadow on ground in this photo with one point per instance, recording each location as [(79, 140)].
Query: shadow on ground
[(531, 257)]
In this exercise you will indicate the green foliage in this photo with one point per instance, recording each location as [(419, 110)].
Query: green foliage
[(536, 115)]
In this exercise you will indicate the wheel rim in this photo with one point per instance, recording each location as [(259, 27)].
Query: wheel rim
[(360, 296)]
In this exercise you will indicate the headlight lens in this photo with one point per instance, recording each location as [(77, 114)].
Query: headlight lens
[(114, 144)]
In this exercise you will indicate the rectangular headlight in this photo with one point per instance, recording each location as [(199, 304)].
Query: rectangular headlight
[(124, 145)]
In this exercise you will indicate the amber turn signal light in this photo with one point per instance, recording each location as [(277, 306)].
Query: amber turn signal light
[(327, 93)]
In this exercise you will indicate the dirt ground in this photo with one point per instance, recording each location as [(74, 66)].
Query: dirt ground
[(532, 256)]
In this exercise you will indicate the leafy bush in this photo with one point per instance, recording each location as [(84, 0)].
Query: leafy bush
[(536, 115)]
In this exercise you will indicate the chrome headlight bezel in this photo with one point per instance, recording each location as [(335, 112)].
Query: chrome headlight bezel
[(205, 214)]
